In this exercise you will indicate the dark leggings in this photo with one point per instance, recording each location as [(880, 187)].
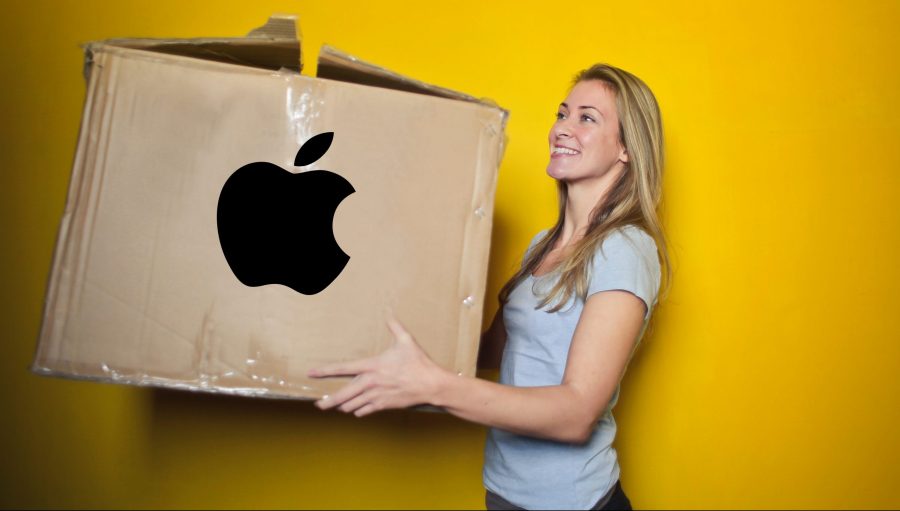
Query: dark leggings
[(616, 499)]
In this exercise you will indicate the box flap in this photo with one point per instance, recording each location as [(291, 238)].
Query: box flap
[(274, 46), (335, 64)]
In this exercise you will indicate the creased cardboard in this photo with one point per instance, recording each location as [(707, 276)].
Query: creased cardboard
[(140, 291)]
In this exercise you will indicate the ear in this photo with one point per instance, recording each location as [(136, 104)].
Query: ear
[(623, 154)]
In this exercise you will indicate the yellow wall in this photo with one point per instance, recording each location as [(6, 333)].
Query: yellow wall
[(769, 379)]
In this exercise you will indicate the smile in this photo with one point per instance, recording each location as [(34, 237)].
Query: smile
[(562, 151)]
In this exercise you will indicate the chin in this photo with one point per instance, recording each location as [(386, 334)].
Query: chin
[(556, 173)]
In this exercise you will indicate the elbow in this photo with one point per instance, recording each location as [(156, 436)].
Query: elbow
[(578, 425), (577, 431), (572, 435), (582, 435)]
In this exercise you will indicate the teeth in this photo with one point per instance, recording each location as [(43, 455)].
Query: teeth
[(563, 150)]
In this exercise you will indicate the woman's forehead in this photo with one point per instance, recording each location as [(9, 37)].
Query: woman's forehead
[(592, 93)]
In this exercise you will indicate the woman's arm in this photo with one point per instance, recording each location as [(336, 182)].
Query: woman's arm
[(492, 343), (404, 376)]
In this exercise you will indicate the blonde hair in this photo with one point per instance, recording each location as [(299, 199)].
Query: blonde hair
[(632, 200)]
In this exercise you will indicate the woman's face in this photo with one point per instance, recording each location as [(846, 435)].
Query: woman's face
[(584, 141)]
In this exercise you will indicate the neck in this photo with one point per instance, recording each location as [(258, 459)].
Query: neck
[(582, 197)]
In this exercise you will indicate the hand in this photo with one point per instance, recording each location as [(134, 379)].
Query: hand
[(401, 376)]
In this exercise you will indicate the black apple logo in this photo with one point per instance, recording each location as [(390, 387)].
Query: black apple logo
[(275, 227)]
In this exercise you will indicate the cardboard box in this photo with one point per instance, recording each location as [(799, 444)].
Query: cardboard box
[(140, 290)]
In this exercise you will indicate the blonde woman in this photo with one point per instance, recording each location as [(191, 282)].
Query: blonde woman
[(570, 320)]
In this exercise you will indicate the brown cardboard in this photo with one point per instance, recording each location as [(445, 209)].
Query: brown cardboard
[(139, 289)]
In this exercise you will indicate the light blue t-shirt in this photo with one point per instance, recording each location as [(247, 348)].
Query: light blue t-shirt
[(535, 473)]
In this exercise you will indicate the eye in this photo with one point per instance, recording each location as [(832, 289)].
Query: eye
[(560, 116), (588, 118)]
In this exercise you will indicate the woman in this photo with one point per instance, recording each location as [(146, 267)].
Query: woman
[(571, 317)]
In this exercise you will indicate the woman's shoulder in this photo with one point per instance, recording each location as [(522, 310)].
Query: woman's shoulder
[(630, 234), (629, 246)]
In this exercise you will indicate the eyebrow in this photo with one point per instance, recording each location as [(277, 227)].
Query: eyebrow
[(583, 107)]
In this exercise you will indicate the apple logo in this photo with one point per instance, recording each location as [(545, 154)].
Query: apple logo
[(275, 227)]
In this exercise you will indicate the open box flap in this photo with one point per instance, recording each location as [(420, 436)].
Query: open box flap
[(335, 64), (274, 46)]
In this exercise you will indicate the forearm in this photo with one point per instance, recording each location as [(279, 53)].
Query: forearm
[(404, 375), (551, 412)]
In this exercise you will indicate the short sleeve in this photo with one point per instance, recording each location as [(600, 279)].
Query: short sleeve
[(627, 261)]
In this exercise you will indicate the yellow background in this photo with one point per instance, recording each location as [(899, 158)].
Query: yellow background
[(769, 380)]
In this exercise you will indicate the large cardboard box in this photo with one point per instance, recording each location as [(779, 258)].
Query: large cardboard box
[(141, 290)]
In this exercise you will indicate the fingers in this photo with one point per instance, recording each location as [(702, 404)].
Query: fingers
[(372, 375), (353, 405), (397, 329), (351, 368), (354, 398), (358, 406), (366, 410), (349, 391)]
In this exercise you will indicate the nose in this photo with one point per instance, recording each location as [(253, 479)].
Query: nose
[(561, 129)]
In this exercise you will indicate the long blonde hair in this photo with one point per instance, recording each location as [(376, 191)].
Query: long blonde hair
[(632, 200)]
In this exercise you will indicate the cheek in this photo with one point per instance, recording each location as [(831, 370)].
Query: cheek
[(603, 154), (597, 146), (606, 145)]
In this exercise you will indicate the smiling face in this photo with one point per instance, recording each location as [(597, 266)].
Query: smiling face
[(584, 141)]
